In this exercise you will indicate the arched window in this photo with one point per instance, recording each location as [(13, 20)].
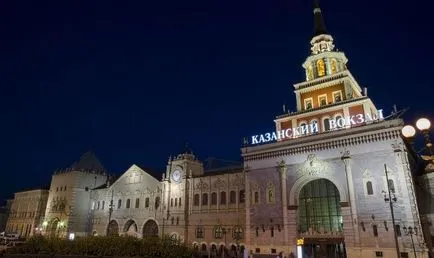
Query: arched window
[(205, 199), (171, 202), (179, 201), (97, 206), (232, 197), (369, 188), (177, 220), (128, 203), (176, 202), (334, 65), (214, 199), (242, 196), (309, 71), (137, 203), (320, 67), (326, 125), (223, 197), (147, 202), (196, 200), (173, 220), (103, 203), (119, 203)]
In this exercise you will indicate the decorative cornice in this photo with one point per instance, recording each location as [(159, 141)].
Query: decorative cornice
[(386, 130)]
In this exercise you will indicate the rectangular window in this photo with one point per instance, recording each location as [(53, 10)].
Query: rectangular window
[(308, 104), (258, 250), (147, 202), (322, 100), (273, 251), (337, 96), (378, 254), (199, 232), (404, 255)]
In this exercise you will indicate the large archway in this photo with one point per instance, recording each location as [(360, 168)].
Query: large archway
[(53, 228), (130, 228), (113, 228), (319, 219), (150, 229)]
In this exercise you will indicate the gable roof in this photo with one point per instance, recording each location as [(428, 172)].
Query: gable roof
[(88, 161)]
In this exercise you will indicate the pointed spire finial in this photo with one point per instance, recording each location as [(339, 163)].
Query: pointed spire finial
[(320, 27)]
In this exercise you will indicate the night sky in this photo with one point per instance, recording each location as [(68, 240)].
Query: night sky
[(134, 80)]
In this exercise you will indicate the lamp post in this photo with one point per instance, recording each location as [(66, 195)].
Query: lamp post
[(409, 132), (388, 198), (410, 231), (237, 236)]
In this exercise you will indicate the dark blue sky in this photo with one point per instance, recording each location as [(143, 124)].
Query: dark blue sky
[(134, 80)]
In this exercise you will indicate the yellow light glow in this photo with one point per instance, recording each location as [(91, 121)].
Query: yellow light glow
[(44, 223), (423, 124), (408, 131), (300, 241)]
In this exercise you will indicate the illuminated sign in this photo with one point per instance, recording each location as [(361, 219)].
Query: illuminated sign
[(312, 128)]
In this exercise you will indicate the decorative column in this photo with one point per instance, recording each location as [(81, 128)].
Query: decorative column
[(356, 252), (247, 206), (283, 169)]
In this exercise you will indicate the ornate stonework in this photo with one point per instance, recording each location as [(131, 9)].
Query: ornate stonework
[(201, 186), (314, 167)]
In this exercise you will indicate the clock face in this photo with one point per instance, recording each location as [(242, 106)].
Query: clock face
[(176, 175)]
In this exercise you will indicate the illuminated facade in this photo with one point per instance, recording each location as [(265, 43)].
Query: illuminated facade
[(68, 205), (315, 187), (322, 182), (26, 212)]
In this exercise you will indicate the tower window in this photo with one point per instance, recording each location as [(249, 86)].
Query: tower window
[(137, 203), (320, 67), (334, 65), (171, 202), (322, 100), (337, 96), (369, 188), (119, 203), (179, 201), (147, 202), (256, 197), (157, 202), (391, 186), (326, 124), (176, 202), (375, 230), (308, 104), (309, 73), (128, 203)]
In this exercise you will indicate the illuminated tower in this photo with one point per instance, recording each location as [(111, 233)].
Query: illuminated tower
[(330, 98)]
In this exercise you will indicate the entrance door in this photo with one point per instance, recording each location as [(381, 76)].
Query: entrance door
[(320, 221)]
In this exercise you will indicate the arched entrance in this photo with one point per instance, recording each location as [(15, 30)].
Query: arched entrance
[(130, 228), (150, 229), (52, 228), (320, 221), (113, 228)]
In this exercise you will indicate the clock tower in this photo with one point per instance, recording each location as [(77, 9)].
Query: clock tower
[(176, 183)]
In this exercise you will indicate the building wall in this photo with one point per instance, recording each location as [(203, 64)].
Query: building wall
[(349, 167), (27, 210), (70, 190), (134, 184)]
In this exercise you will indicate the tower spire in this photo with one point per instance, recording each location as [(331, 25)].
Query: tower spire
[(320, 27)]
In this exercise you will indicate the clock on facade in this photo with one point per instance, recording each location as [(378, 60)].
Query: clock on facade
[(176, 175)]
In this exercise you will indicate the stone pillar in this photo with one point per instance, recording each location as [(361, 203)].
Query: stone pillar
[(283, 169), (247, 206), (353, 247)]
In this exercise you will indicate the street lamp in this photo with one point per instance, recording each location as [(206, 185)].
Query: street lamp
[(411, 231), (388, 198), (409, 132)]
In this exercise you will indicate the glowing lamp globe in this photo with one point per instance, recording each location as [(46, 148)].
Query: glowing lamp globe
[(408, 131), (423, 124)]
